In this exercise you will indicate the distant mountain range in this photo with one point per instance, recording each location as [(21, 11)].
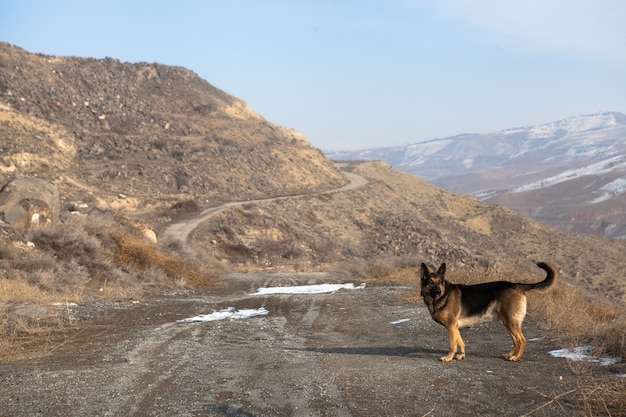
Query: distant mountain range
[(570, 174)]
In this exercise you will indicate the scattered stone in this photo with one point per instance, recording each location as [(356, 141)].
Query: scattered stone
[(26, 201)]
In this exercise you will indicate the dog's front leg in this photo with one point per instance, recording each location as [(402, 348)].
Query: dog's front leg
[(455, 340)]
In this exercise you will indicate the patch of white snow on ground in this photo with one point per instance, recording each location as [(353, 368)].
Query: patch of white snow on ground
[(584, 353), (307, 289), (228, 313)]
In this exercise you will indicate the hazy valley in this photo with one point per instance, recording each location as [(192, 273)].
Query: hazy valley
[(570, 174)]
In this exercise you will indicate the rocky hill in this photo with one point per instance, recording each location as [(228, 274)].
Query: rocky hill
[(569, 174), (399, 219), (139, 140), (155, 134)]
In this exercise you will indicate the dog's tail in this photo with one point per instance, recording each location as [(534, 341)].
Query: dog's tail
[(549, 281)]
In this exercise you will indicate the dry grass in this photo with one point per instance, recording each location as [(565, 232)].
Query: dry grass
[(24, 316), (145, 257), (20, 291), (22, 334), (84, 259), (581, 319)]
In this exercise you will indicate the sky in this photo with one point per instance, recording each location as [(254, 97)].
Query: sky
[(355, 74)]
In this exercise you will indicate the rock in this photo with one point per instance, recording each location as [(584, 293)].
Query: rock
[(27, 200), (150, 235)]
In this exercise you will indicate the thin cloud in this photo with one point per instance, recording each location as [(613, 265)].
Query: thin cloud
[(587, 29)]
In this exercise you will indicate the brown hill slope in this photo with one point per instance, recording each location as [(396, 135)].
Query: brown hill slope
[(400, 219), (161, 135), (155, 133)]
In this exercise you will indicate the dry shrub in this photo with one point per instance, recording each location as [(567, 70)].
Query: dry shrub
[(6, 251), (272, 249), (71, 258), (15, 290), (382, 270), (602, 396), (33, 262), (21, 333), (82, 258), (66, 242), (197, 257), (142, 256), (100, 254), (236, 252), (351, 269), (580, 318)]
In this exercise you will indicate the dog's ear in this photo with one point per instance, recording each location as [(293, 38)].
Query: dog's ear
[(442, 269), (424, 272)]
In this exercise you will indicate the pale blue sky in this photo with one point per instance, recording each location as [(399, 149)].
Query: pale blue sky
[(361, 73)]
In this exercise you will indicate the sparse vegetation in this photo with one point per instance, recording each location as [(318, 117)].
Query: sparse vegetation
[(83, 259)]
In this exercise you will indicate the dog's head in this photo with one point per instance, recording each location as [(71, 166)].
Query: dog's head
[(432, 283)]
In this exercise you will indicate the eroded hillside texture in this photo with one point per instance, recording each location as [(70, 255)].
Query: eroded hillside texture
[(159, 145), (151, 132)]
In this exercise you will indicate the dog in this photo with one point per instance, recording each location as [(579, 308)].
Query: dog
[(458, 305)]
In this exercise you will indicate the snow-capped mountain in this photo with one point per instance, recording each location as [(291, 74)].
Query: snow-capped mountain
[(570, 173)]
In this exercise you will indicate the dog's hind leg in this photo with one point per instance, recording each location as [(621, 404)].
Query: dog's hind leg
[(512, 317), (519, 343), (455, 341)]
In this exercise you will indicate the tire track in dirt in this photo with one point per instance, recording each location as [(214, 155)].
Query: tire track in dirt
[(183, 230)]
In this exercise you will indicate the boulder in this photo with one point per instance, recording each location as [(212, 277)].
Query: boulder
[(25, 201)]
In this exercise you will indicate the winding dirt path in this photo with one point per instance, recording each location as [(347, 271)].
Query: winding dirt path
[(182, 230), (354, 353)]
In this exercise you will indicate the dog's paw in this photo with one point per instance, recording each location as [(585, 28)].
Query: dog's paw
[(446, 358), (512, 358), (460, 356)]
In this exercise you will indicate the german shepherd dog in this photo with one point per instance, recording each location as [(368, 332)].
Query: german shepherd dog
[(458, 305)]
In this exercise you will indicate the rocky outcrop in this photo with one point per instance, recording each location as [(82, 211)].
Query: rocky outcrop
[(154, 132), (25, 201)]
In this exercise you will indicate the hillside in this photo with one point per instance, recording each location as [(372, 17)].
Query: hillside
[(399, 219), (568, 174), (156, 134), (138, 140)]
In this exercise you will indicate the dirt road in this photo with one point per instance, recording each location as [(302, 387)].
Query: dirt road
[(182, 230), (335, 354)]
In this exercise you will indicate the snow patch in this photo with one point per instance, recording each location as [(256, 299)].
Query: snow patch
[(307, 289), (483, 195), (419, 153), (227, 313), (616, 187), (574, 124), (602, 167), (468, 162), (603, 197), (584, 353)]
